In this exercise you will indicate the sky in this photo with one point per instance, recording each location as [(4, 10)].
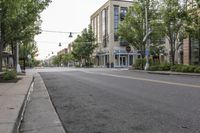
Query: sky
[(66, 16)]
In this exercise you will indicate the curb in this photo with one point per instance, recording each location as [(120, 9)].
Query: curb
[(56, 112), (40, 115), (22, 109)]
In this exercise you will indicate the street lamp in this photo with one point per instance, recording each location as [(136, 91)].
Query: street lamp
[(59, 55), (60, 44), (70, 35), (146, 38)]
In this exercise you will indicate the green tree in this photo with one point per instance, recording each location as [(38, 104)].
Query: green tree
[(28, 49), (56, 60), (84, 46), (174, 17), (133, 29), (67, 58), (193, 21), (19, 23)]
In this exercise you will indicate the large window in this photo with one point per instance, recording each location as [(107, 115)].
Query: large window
[(116, 21), (123, 13), (195, 52), (105, 26), (98, 29), (95, 27)]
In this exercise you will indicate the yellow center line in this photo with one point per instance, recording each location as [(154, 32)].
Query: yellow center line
[(145, 79)]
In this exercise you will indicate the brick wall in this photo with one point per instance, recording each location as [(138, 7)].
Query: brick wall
[(186, 52)]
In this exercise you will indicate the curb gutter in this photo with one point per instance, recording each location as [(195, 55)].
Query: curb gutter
[(22, 109)]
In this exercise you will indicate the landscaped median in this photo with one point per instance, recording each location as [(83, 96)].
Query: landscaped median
[(12, 100), (167, 68), (175, 68)]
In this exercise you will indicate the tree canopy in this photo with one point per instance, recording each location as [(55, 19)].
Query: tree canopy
[(133, 28), (19, 22), (84, 45), (171, 19)]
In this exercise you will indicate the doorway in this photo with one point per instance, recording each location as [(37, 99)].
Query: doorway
[(123, 61)]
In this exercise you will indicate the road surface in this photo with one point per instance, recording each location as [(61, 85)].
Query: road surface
[(119, 101)]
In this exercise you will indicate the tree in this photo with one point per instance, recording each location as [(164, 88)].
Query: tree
[(133, 29), (174, 17), (28, 49), (193, 21), (19, 23), (84, 45), (67, 58), (56, 60)]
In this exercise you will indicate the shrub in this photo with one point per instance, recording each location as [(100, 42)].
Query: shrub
[(154, 68), (88, 64), (9, 75), (197, 70), (192, 68), (185, 68), (176, 68), (77, 65), (140, 63), (164, 67)]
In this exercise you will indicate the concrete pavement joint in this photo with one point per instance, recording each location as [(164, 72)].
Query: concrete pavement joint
[(144, 79)]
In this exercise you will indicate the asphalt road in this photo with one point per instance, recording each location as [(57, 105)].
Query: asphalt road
[(109, 101)]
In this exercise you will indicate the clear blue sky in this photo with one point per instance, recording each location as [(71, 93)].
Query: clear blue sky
[(64, 15)]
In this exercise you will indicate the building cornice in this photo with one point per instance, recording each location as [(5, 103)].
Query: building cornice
[(106, 4)]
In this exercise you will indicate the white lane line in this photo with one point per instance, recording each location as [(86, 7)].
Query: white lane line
[(145, 79)]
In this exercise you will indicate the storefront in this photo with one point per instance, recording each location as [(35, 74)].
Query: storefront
[(124, 59), (102, 59)]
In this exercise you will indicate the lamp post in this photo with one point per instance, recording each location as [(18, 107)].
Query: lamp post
[(60, 45), (1, 46), (146, 38)]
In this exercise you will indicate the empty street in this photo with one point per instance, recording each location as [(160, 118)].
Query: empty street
[(122, 101)]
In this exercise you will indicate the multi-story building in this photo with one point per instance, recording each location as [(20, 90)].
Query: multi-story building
[(63, 51), (111, 51), (191, 45), (70, 47)]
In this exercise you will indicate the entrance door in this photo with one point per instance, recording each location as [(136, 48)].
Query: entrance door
[(123, 61)]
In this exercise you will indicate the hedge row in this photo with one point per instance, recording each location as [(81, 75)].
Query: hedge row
[(9, 75), (185, 68), (175, 68)]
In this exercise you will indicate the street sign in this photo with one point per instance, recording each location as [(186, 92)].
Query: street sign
[(29, 56), (128, 49), (147, 53)]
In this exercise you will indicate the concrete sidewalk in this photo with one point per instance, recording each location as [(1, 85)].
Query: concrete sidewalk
[(40, 115), (12, 101)]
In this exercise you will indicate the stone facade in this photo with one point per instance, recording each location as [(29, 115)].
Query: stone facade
[(63, 51), (111, 52)]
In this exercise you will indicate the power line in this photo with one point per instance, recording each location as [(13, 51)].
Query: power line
[(64, 32)]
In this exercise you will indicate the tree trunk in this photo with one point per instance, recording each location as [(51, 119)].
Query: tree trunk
[(14, 55), (1, 49), (1, 55)]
